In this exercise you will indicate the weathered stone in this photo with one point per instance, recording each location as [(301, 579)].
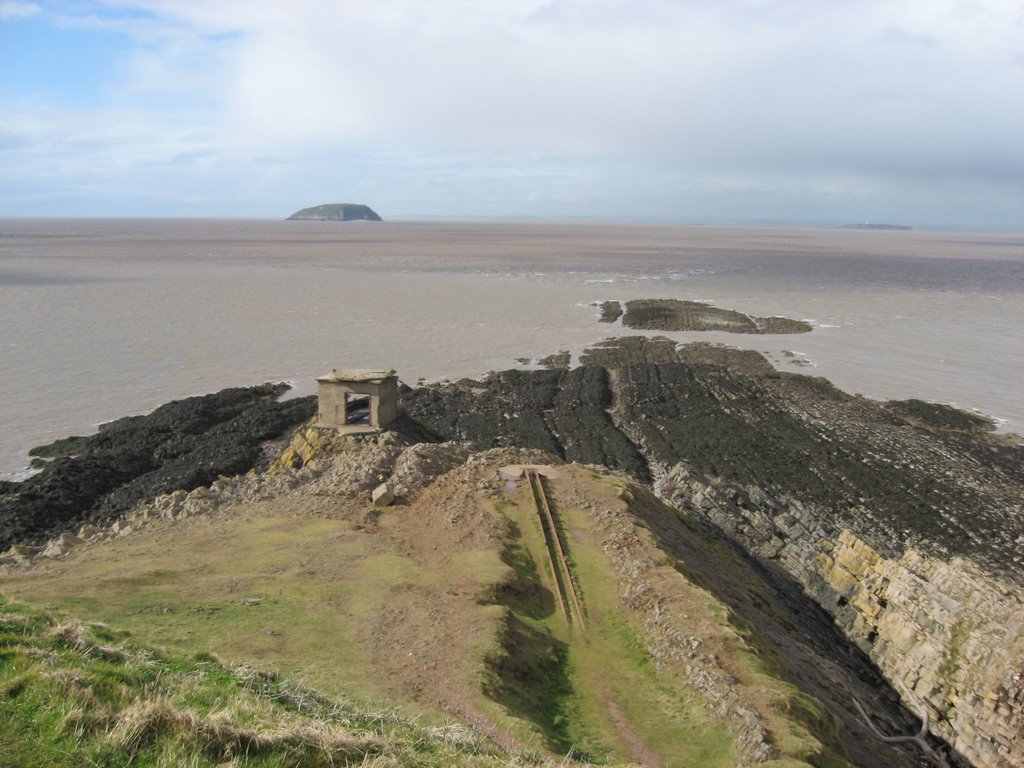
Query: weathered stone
[(61, 545), (952, 633), (382, 495)]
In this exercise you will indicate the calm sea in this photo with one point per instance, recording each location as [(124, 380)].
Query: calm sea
[(103, 318)]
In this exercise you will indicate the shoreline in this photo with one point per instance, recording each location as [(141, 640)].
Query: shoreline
[(783, 363), (98, 330)]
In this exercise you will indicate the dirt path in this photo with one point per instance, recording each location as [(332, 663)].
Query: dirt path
[(427, 638)]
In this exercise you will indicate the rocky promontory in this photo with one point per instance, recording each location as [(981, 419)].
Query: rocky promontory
[(869, 551), (903, 520), (336, 212)]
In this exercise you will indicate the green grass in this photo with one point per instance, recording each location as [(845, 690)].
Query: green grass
[(74, 694), (283, 593), (614, 669), (298, 596), (594, 693)]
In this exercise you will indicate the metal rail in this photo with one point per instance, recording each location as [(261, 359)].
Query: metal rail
[(560, 573)]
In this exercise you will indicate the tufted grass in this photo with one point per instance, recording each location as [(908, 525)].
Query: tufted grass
[(74, 694)]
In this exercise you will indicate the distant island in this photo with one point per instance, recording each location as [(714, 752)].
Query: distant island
[(867, 225), (336, 212)]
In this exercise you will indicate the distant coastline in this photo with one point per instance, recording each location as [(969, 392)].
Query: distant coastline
[(887, 227)]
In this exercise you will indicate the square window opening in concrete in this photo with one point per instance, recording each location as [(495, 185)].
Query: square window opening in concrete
[(357, 408), (357, 401)]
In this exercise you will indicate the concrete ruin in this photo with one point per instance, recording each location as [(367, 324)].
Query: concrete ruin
[(357, 401)]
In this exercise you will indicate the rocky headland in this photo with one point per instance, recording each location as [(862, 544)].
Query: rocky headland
[(863, 550), (902, 520), (336, 212)]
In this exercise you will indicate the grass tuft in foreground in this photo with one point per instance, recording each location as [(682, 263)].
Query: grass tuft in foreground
[(85, 694)]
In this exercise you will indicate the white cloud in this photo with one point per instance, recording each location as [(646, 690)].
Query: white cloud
[(799, 93), (15, 9)]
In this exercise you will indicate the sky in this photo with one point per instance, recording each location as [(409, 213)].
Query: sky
[(828, 111)]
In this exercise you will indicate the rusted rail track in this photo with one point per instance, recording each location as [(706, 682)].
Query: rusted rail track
[(561, 575)]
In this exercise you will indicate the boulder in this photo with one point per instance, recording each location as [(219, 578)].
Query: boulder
[(61, 545), (382, 496)]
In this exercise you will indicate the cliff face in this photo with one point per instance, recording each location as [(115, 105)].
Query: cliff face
[(952, 634), (336, 212), (902, 520)]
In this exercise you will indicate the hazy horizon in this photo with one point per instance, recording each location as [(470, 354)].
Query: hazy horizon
[(747, 111), (710, 222)]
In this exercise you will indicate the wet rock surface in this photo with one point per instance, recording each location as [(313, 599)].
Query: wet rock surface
[(563, 412), (182, 445), (679, 315), (610, 311), (905, 475)]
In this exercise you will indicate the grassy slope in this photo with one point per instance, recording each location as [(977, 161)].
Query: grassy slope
[(239, 588), (74, 694), (598, 692), (593, 691), (299, 589)]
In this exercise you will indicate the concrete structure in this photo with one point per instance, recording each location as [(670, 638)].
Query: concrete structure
[(357, 401)]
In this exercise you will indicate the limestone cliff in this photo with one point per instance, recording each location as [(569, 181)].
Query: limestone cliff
[(952, 634)]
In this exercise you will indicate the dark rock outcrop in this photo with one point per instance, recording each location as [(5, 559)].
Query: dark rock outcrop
[(182, 445), (906, 473), (564, 412), (336, 212), (610, 311), (677, 315)]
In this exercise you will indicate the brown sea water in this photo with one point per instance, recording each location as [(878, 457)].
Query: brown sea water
[(103, 318)]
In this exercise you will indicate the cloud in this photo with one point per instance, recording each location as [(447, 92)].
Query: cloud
[(659, 95), (14, 9)]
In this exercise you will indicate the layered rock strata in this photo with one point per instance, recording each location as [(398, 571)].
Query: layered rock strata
[(950, 633), (903, 520)]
